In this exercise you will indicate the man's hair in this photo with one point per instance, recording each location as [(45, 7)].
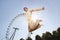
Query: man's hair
[(25, 8)]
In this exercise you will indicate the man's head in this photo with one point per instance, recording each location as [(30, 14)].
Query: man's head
[(25, 9)]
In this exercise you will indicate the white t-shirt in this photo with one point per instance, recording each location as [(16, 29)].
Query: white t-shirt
[(30, 22)]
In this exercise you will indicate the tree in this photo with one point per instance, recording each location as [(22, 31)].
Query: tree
[(21, 39), (58, 31), (28, 38), (38, 37), (43, 36), (54, 36), (47, 36)]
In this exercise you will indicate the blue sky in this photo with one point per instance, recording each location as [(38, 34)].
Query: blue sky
[(50, 16)]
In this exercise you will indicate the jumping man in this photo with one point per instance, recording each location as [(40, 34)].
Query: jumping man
[(32, 25)]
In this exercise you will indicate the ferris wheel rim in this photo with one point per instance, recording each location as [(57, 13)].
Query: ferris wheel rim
[(11, 22)]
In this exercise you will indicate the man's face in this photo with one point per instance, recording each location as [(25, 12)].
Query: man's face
[(25, 9)]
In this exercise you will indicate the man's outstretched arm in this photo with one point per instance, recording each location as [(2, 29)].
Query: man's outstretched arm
[(38, 9)]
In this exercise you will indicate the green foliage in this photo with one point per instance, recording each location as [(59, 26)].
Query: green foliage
[(21, 39), (55, 35), (28, 38), (38, 37)]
